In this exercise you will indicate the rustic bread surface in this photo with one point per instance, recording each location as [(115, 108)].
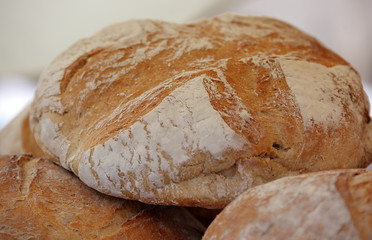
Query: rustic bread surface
[(325, 205), (195, 114), (40, 200)]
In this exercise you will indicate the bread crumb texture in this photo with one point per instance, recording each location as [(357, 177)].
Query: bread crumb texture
[(194, 114)]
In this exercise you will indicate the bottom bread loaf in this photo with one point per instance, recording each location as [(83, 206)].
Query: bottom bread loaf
[(325, 205), (40, 200)]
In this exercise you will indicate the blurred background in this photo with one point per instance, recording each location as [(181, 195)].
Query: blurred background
[(32, 33)]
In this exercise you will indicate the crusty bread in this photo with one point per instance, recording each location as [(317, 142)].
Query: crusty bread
[(325, 205), (17, 138), (195, 114), (40, 200), (11, 141)]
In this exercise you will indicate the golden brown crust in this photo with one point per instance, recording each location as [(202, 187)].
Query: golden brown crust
[(43, 201), (356, 190), (325, 205)]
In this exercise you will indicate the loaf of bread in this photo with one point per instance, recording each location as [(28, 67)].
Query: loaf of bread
[(16, 137), (325, 205), (195, 114), (40, 200)]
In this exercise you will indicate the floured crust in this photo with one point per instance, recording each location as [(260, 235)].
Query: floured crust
[(195, 114), (39, 200), (326, 205)]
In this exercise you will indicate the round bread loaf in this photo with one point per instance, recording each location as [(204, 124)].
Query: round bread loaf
[(194, 114), (39, 200), (325, 205)]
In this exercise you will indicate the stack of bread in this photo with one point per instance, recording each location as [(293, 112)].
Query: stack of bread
[(146, 117)]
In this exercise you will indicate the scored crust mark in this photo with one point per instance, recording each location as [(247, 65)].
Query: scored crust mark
[(123, 100), (224, 99), (22, 168), (74, 68), (156, 147), (27, 172), (265, 84)]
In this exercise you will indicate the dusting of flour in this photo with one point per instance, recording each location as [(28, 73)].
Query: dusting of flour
[(292, 208), (161, 141), (321, 92)]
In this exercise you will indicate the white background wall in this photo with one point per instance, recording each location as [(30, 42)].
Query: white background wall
[(33, 32)]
